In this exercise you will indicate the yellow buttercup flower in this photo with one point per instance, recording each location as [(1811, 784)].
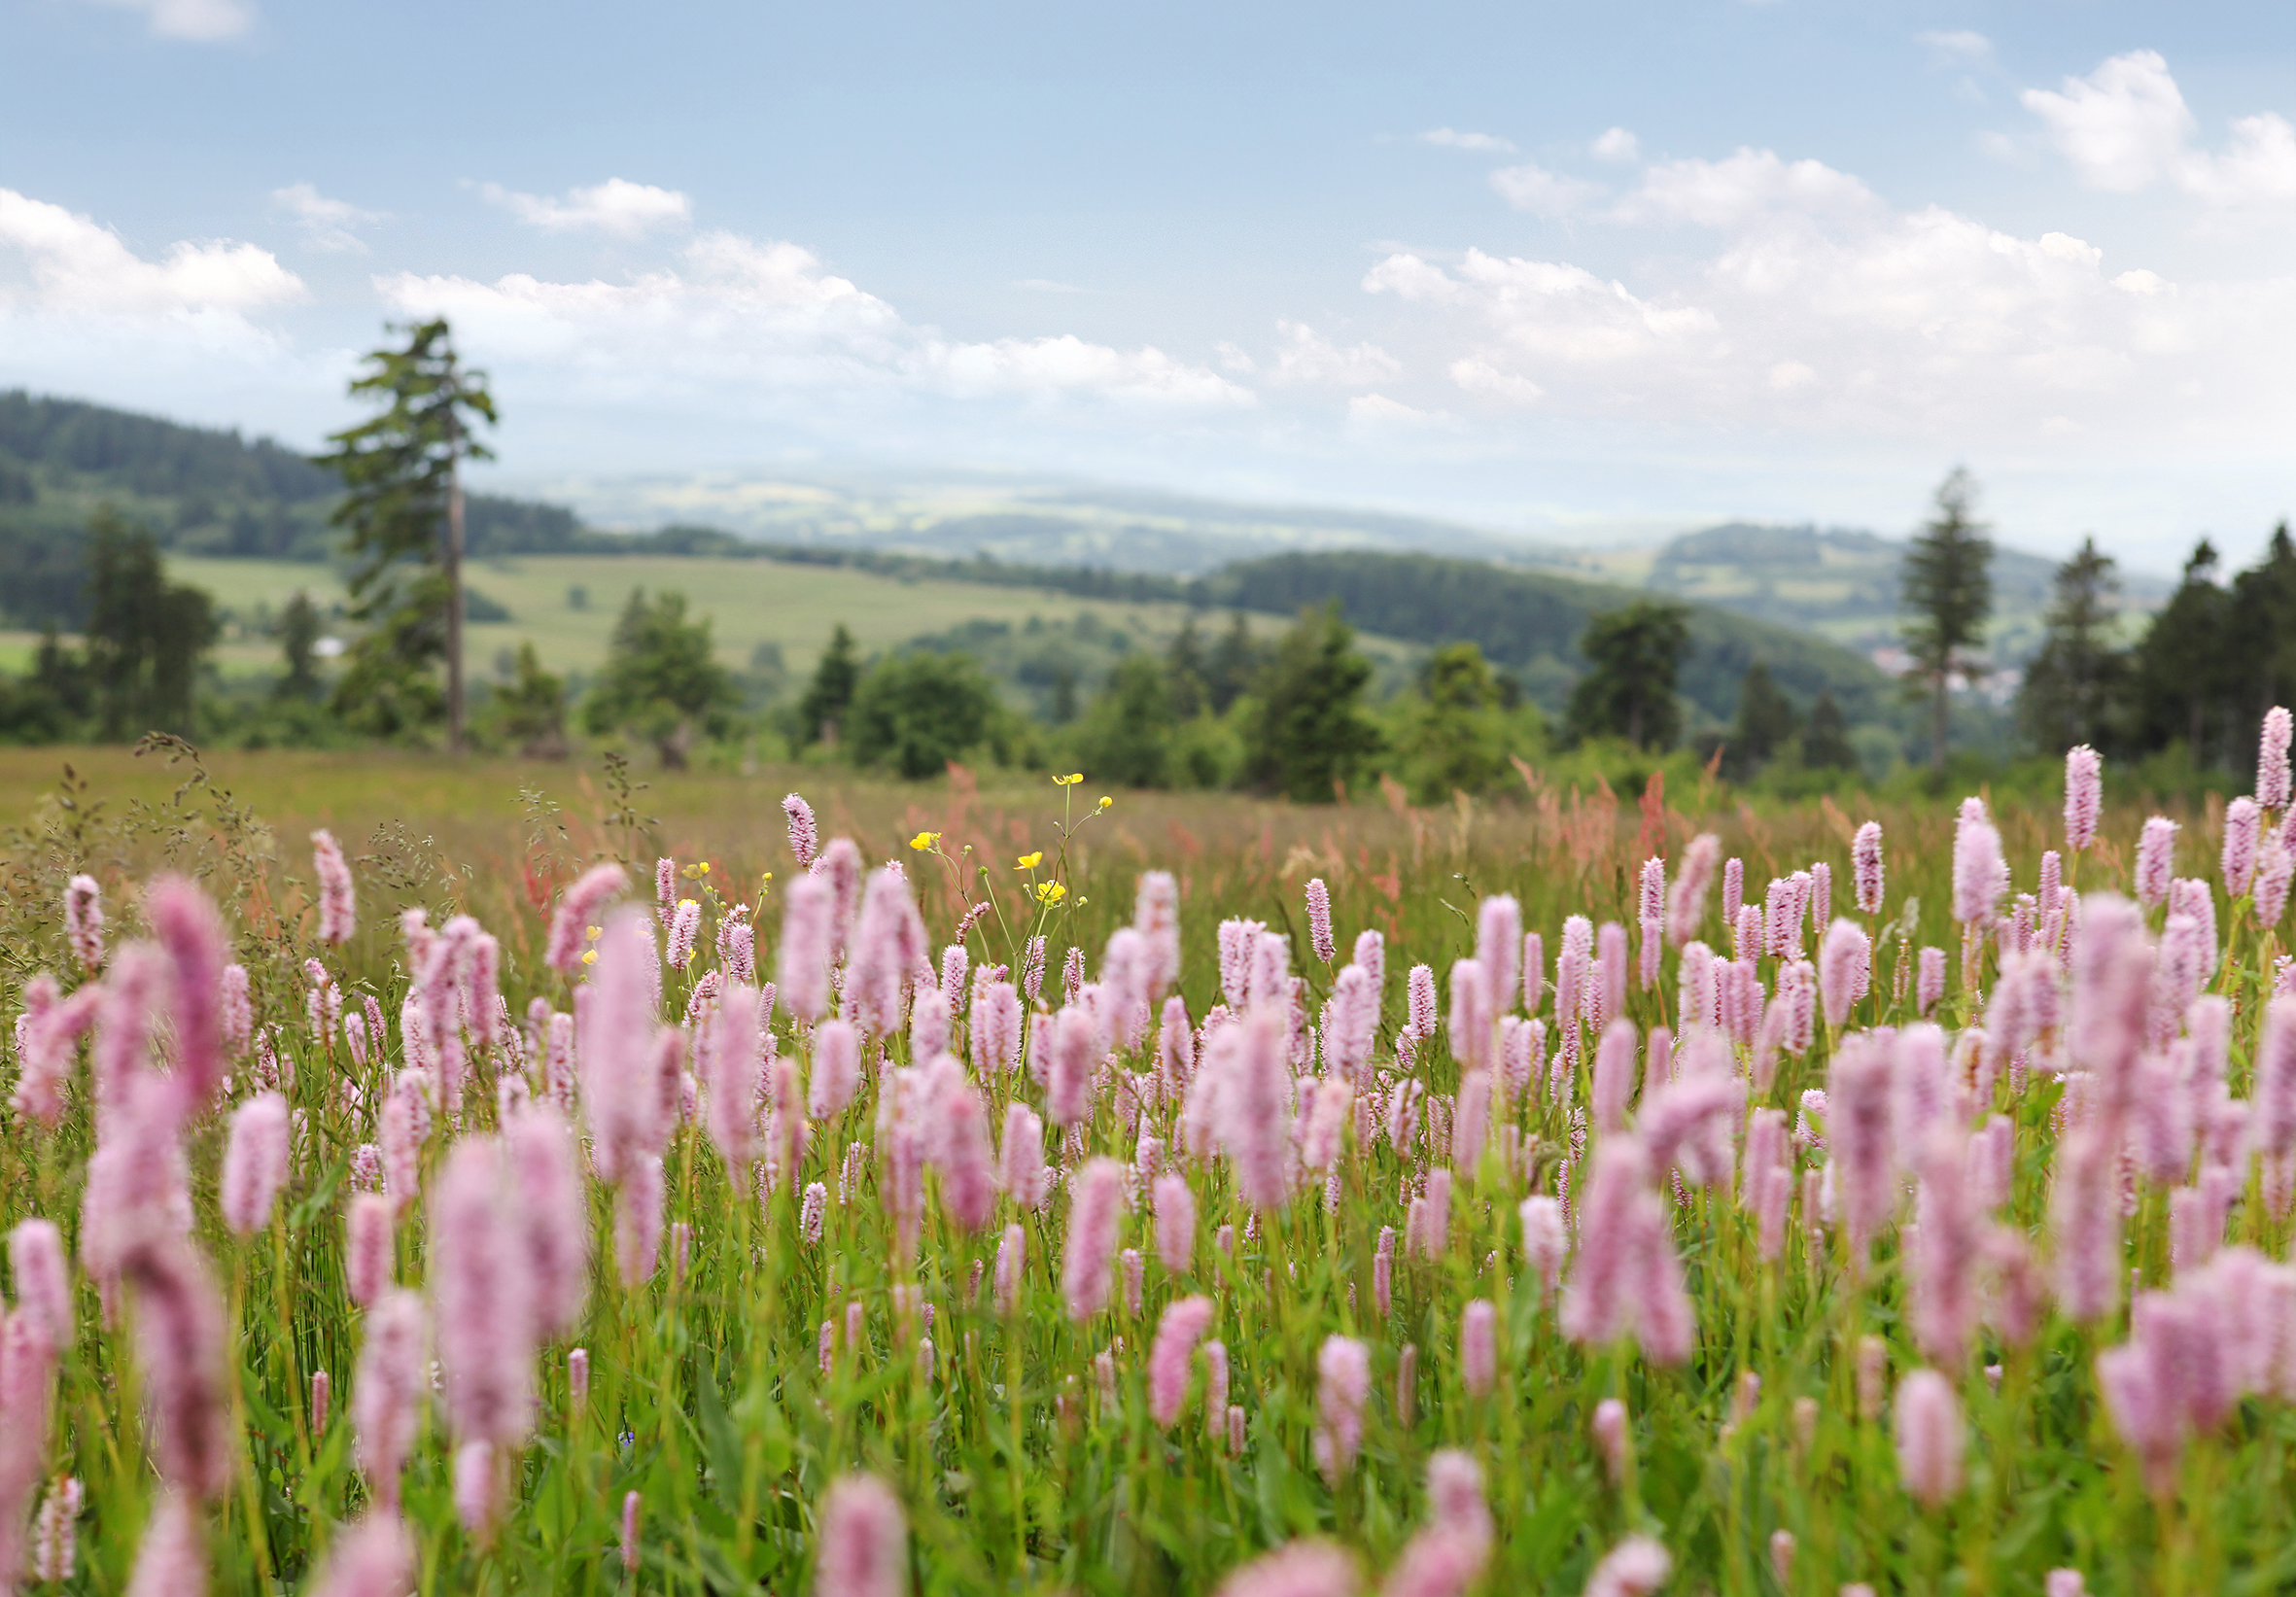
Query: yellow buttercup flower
[(1030, 862), (924, 841), (1069, 780), (1050, 892), (592, 933), (589, 956), (1105, 801)]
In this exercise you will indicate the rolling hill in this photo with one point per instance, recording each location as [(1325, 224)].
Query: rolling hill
[(921, 557)]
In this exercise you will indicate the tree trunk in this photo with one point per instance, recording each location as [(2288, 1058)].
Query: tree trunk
[(1937, 716), (454, 583)]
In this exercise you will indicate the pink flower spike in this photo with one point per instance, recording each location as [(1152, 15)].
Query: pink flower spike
[(375, 1557), (1343, 1381), (553, 1216), (1635, 1568), (1298, 1569), (581, 907), (43, 1278), (2272, 760), (1177, 1333), (171, 1560), (863, 1541), (1844, 958), (254, 1162), (2156, 861), (804, 838), (1479, 1347), (187, 925), (387, 1392), (1685, 902), (84, 921), (1865, 867), (1930, 1438), (1319, 921), (338, 901), (1977, 868), (2241, 831), (481, 1280), (2084, 796), (1498, 945), (1095, 1213), (182, 1346)]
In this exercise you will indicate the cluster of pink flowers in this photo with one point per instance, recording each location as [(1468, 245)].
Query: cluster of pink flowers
[(1795, 1082)]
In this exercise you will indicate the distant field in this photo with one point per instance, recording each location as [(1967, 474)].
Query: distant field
[(748, 602)]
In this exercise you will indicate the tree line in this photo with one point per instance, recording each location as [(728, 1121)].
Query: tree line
[(1287, 711)]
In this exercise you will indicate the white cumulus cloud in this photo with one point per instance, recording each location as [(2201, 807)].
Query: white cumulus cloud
[(2126, 127), (1734, 190), (1306, 356), (766, 320), (1958, 45), (615, 206), (1619, 145), (329, 225), (1531, 187), (198, 21), (1454, 139), (70, 263), (1821, 311)]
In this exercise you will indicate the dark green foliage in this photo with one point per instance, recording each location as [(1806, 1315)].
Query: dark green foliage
[(1126, 739), (820, 713), (145, 636), (2260, 648), (398, 471), (1765, 723), (477, 606), (1310, 738), (1826, 741), (661, 680), (1529, 622), (47, 566), (1185, 670), (51, 702), (216, 493), (2217, 658), (388, 688), (1236, 663), (2074, 686), (1457, 736), (1635, 655), (1948, 589), (528, 711), (2184, 678), (299, 627), (916, 712), (154, 458)]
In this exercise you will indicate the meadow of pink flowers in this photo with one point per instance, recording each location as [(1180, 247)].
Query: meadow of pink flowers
[(1730, 1235)]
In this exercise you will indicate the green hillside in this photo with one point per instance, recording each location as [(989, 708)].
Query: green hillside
[(201, 491), (765, 615), (1838, 582), (1044, 583), (1530, 621)]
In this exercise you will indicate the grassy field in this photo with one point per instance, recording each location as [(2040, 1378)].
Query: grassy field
[(748, 602), (864, 1356)]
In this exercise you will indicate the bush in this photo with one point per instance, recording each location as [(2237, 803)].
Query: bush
[(916, 712)]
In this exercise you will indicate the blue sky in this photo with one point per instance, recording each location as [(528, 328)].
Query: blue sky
[(1577, 270)]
